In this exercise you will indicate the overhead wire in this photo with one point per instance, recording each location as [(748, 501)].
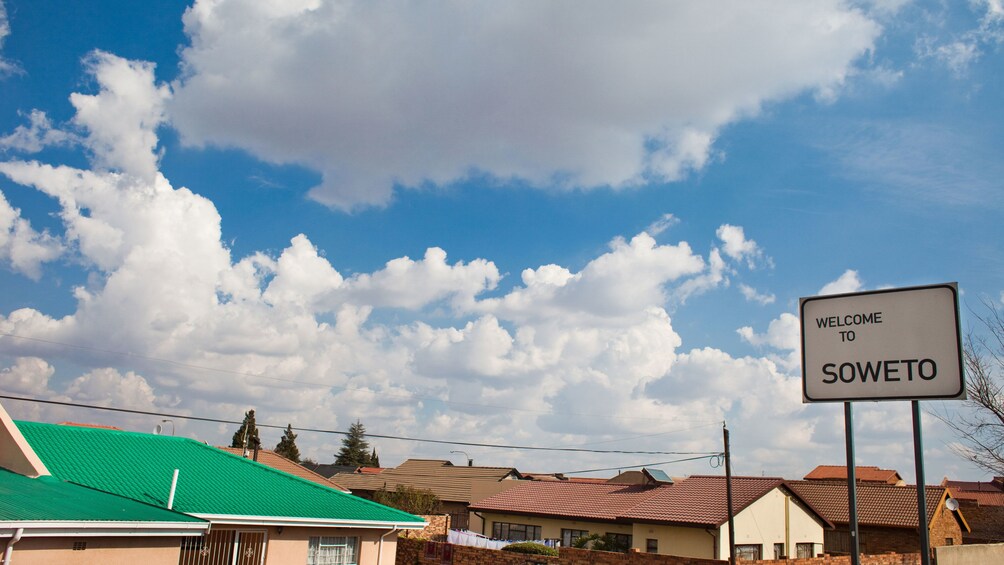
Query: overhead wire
[(371, 435)]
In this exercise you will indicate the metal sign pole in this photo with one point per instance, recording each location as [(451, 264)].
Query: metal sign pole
[(918, 456), (852, 491)]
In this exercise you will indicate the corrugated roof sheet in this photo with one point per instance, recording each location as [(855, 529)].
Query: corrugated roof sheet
[(48, 499), (878, 505), (211, 482), (450, 483)]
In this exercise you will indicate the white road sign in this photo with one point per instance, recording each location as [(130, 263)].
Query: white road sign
[(897, 344)]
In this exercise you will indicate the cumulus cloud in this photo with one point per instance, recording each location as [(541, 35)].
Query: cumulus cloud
[(6, 67), (23, 248), (959, 52), (752, 295), (738, 247), (122, 119), (38, 135), (376, 95), (169, 320), (847, 282)]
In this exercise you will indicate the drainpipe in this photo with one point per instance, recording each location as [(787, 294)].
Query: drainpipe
[(10, 545), (380, 545)]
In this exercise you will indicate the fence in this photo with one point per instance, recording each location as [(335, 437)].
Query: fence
[(417, 552)]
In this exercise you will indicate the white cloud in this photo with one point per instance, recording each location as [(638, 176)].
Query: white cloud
[(6, 67), (737, 247), (122, 119), (606, 96), (28, 375), (36, 136), (662, 224), (108, 387), (847, 282), (752, 295), (21, 246)]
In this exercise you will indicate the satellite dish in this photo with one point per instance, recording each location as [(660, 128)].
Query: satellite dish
[(951, 504), (158, 429)]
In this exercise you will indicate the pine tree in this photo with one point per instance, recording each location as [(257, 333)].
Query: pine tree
[(287, 445), (247, 434), (374, 459), (355, 448)]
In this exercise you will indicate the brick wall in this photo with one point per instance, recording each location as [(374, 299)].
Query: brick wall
[(438, 526), (417, 552)]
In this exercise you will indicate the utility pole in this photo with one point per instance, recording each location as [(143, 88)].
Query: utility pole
[(728, 496)]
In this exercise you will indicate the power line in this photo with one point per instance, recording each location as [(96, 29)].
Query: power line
[(408, 396), (705, 456), (379, 436)]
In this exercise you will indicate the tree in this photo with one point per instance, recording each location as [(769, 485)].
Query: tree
[(355, 448), (287, 445), (247, 434), (981, 425), (410, 499), (374, 459)]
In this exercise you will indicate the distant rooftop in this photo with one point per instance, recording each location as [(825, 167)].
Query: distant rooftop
[(865, 474)]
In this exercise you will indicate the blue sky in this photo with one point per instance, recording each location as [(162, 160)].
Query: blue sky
[(553, 224)]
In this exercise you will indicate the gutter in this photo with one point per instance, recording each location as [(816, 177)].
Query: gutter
[(380, 546), (241, 519), (10, 545)]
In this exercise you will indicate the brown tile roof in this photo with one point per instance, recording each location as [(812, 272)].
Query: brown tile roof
[(449, 482), (276, 461), (866, 474), (702, 500), (878, 504), (982, 493), (694, 501), (567, 499)]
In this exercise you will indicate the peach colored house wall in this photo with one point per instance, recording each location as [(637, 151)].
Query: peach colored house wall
[(290, 546), (99, 551)]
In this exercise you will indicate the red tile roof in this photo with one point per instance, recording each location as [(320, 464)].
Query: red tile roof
[(276, 461), (694, 501), (982, 493), (866, 474), (878, 504)]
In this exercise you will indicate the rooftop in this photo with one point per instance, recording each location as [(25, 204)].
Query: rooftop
[(211, 483), (276, 461), (49, 501), (449, 482), (866, 474), (878, 504)]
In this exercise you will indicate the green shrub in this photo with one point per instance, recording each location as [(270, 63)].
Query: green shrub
[(531, 548)]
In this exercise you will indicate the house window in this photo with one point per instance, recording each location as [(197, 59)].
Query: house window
[(515, 532), (750, 552), (622, 542), (779, 551), (949, 541), (651, 545), (803, 550), (79, 545), (332, 550), (568, 537)]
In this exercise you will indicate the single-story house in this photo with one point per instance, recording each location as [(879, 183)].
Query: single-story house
[(255, 512), (887, 516), (688, 517), (455, 486)]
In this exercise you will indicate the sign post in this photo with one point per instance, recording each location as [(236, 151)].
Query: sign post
[(894, 344)]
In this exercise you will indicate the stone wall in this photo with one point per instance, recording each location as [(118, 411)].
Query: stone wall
[(436, 530), (417, 552)]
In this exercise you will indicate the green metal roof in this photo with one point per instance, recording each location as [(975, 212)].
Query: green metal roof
[(211, 482), (48, 499)]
